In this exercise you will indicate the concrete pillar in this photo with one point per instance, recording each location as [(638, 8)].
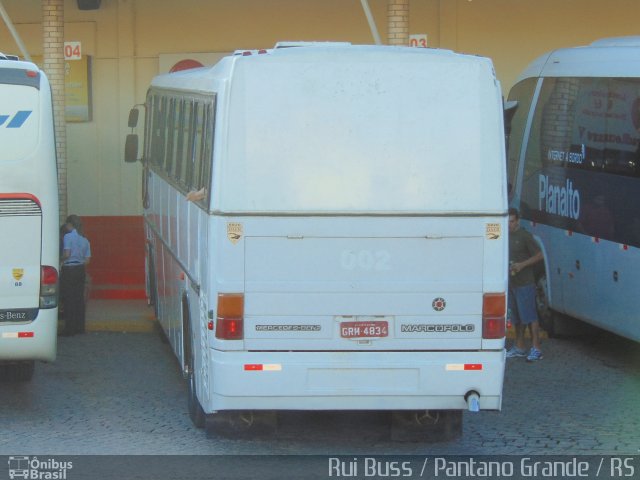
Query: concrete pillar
[(54, 67), (398, 22)]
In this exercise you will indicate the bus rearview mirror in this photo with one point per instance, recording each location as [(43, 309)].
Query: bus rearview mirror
[(131, 148), (133, 118)]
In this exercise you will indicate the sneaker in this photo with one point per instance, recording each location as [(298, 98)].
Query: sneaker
[(534, 355), (514, 352)]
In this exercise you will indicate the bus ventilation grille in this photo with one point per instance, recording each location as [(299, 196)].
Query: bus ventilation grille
[(19, 207)]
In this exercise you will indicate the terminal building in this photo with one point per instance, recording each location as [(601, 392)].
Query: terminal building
[(101, 55)]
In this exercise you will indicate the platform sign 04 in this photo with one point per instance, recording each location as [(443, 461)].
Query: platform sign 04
[(72, 51)]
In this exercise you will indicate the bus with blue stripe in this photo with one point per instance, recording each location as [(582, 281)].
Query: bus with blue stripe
[(574, 172), (29, 215)]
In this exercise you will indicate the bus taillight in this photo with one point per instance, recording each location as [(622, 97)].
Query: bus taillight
[(48, 287), (494, 308), (230, 319)]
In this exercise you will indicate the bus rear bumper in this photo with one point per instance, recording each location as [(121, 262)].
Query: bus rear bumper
[(354, 380), (35, 340)]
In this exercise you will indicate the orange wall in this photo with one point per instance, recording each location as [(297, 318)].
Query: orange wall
[(118, 255)]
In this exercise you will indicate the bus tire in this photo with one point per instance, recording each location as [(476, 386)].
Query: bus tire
[(153, 288), (17, 371), (546, 316), (152, 301), (161, 333), (196, 412), (241, 423), (426, 425), (556, 324)]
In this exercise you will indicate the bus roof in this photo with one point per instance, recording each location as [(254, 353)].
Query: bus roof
[(12, 62), (608, 57), (205, 79)]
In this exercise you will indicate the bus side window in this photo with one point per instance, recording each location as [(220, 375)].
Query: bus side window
[(203, 174), (208, 147), (194, 167), (179, 141), (622, 127), (202, 153), (156, 145), (186, 153), (169, 136)]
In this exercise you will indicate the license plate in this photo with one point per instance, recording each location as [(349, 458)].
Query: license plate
[(374, 328)]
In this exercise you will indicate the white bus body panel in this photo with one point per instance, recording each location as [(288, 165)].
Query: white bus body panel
[(382, 127), (28, 215), (299, 289), (366, 184), (346, 380)]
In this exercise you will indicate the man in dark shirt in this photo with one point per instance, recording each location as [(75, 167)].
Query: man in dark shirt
[(524, 252)]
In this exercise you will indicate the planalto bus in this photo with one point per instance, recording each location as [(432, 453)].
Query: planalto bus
[(29, 245), (574, 168), (326, 230)]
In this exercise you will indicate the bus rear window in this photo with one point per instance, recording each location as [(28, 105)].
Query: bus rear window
[(19, 76)]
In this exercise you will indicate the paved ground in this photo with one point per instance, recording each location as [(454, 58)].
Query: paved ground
[(122, 393), (120, 316)]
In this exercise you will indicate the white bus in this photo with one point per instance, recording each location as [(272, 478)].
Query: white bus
[(29, 246), (326, 230), (574, 166)]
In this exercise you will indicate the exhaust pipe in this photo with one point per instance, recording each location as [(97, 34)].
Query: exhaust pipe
[(473, 401)]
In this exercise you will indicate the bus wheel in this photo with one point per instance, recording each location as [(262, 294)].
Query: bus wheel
[(152, 301), (17, 371), (546, 316), (196, 412), (162, 335), (241, 423), (153, 288), (426, 425)]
